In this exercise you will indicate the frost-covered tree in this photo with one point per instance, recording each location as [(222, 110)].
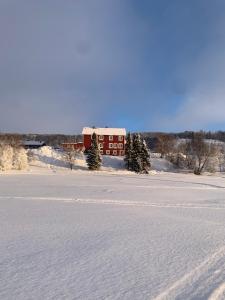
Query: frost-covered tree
[(20, 158), (6, 157), (201, 152), (70, 157), (165, 144), (93, 158), (145, 157), (137, 154), (128, 151)]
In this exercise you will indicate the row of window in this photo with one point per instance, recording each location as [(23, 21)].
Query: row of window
[(113, 152), (101, 138), (112, 145)]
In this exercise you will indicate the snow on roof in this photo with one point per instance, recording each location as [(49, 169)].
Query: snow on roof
[(104, 131)]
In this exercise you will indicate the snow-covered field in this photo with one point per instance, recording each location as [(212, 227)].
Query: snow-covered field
[(89, 235)]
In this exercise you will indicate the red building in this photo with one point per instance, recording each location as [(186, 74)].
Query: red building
[(111, 140), (72, 146)]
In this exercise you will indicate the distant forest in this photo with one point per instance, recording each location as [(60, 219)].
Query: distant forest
[(55, 140)]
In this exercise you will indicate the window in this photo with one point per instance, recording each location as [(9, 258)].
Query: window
[(120, 138), (114, 152), (110, 145), (108, 152), (120, 146), (121, 152), (101, 137), (111, 138), (115, 145), (100, 145)]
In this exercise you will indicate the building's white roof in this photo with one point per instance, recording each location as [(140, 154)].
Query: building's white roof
[(104, 131)]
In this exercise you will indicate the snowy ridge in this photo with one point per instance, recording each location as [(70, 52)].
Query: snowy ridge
[(49, 158)]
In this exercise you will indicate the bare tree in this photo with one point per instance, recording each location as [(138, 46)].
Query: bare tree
[(221, 157), (70, 157), (201, 151), (165, 144), (14, 140)]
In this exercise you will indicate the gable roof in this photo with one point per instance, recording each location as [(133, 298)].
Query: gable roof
[(104, 131)]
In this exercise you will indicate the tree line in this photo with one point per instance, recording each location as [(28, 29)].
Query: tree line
[(195, 153)]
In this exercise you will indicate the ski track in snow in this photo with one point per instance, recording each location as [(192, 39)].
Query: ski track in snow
[(219, 293), (117, 202), (206, 281)]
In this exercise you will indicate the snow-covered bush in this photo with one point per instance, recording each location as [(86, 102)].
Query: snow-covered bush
[(6, 157), (20, 159), (12, 158)]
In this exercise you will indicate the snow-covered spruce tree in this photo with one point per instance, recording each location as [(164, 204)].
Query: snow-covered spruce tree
[(20, 159), (93, 154), (145, 157), (137, 154), (128, 152)]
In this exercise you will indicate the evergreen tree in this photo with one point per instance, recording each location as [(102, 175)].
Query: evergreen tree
[(145, 157), (93, 156), (137, 154), (128, 152)]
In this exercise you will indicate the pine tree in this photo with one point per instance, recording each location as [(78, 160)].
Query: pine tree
[(145, 157), (128, 152), (93, 156), (137, 154)]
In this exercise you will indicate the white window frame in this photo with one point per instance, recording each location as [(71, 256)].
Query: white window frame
[(115, 146), (122, 152), (111, 145), (120, 146), (101, 137), (110, 137), (120, 138), (100, 145), (107, 152), (115, 152)]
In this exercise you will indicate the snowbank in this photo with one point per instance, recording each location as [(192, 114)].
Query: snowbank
[(161, 164), (47, 157)]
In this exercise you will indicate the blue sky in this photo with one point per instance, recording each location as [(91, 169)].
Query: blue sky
[(148, 65)]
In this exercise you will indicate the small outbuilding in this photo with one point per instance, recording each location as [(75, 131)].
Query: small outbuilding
[(33, 144)]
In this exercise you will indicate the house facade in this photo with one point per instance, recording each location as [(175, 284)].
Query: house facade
[(111, 140)]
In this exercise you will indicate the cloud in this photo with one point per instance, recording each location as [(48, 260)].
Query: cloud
[(141, 64), (57, 59), (202, 105)]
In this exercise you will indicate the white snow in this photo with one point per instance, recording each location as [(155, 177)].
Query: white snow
[(110, 234), (101, 235), (47, 157), (104, 131), (161, 164)]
